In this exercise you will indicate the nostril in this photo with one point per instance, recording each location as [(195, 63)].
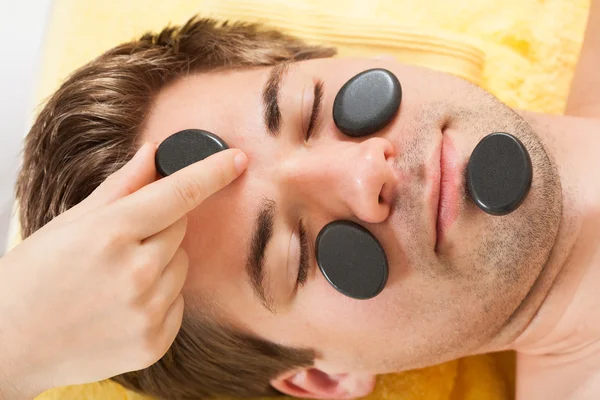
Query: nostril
[(386, 194), (389, 152)]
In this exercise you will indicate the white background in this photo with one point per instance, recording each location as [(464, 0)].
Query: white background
[(22, 27)]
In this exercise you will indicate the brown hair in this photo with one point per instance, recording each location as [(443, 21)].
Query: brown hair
[(90, 127)]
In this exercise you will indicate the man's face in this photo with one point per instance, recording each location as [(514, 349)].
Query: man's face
[(456, 275)]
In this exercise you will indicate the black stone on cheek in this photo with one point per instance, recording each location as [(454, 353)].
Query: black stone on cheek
[(185, 148), (367, 102), (499, 174), (352, 259)]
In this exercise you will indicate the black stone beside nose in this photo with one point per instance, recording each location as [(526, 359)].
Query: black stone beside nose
[(499, 174), (367, 102), (185, 148), (351, 259)]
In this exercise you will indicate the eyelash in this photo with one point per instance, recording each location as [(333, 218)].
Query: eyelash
[(303, 265), (316, 107)]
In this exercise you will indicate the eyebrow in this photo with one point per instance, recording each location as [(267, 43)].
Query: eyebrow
[(270, 98), (261, 235)]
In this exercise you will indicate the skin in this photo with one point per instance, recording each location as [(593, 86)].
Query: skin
[(469, 293)]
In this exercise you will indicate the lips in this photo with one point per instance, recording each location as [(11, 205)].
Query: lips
[(448, 192), (443, 186)]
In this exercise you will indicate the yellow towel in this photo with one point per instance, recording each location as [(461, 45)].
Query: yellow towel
[(523, 51)]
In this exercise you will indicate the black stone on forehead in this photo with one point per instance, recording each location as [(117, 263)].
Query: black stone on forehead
[(185, 148)]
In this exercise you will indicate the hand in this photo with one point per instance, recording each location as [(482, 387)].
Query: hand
[(96, 292)]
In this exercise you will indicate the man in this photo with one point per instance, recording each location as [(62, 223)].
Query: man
[(260, 316)]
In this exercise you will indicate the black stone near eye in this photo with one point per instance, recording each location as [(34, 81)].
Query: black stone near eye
[(352, 259), (367, 102)]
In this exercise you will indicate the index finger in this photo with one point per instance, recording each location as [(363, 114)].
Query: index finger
[(159, 205)]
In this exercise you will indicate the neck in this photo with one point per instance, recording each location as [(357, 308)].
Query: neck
[(561, 340)]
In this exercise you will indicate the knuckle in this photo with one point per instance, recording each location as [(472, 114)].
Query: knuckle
[(158, 309), (153, 315), (151, 350), (153, 346), (112, 240), (189, 192), (141, 276), (149, 318), (222, 177)]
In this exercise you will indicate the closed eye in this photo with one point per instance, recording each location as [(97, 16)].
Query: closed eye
[(316, 107), (304, 264)]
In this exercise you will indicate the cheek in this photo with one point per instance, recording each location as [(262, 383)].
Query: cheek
[(338, 321)]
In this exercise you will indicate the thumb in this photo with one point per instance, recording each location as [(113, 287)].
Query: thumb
[(135, 174)]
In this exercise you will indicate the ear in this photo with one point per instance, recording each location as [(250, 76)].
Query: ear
[(313, 383)]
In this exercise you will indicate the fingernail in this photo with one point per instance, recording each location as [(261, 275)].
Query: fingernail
[(240, 161)]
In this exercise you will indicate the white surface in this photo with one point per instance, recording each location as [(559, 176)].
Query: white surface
[(22, 27)]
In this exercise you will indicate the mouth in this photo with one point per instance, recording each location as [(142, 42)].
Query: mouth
[(446, 191)]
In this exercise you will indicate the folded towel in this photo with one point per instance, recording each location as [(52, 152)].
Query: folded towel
[(523, 51)]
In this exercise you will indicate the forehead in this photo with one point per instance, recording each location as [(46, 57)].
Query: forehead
[(226, 103)]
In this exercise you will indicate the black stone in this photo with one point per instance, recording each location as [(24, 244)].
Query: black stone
[(352, 259), (499, 174), (367, 102), (185, 148)]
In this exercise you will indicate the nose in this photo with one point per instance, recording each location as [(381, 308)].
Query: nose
[(344, 177)]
